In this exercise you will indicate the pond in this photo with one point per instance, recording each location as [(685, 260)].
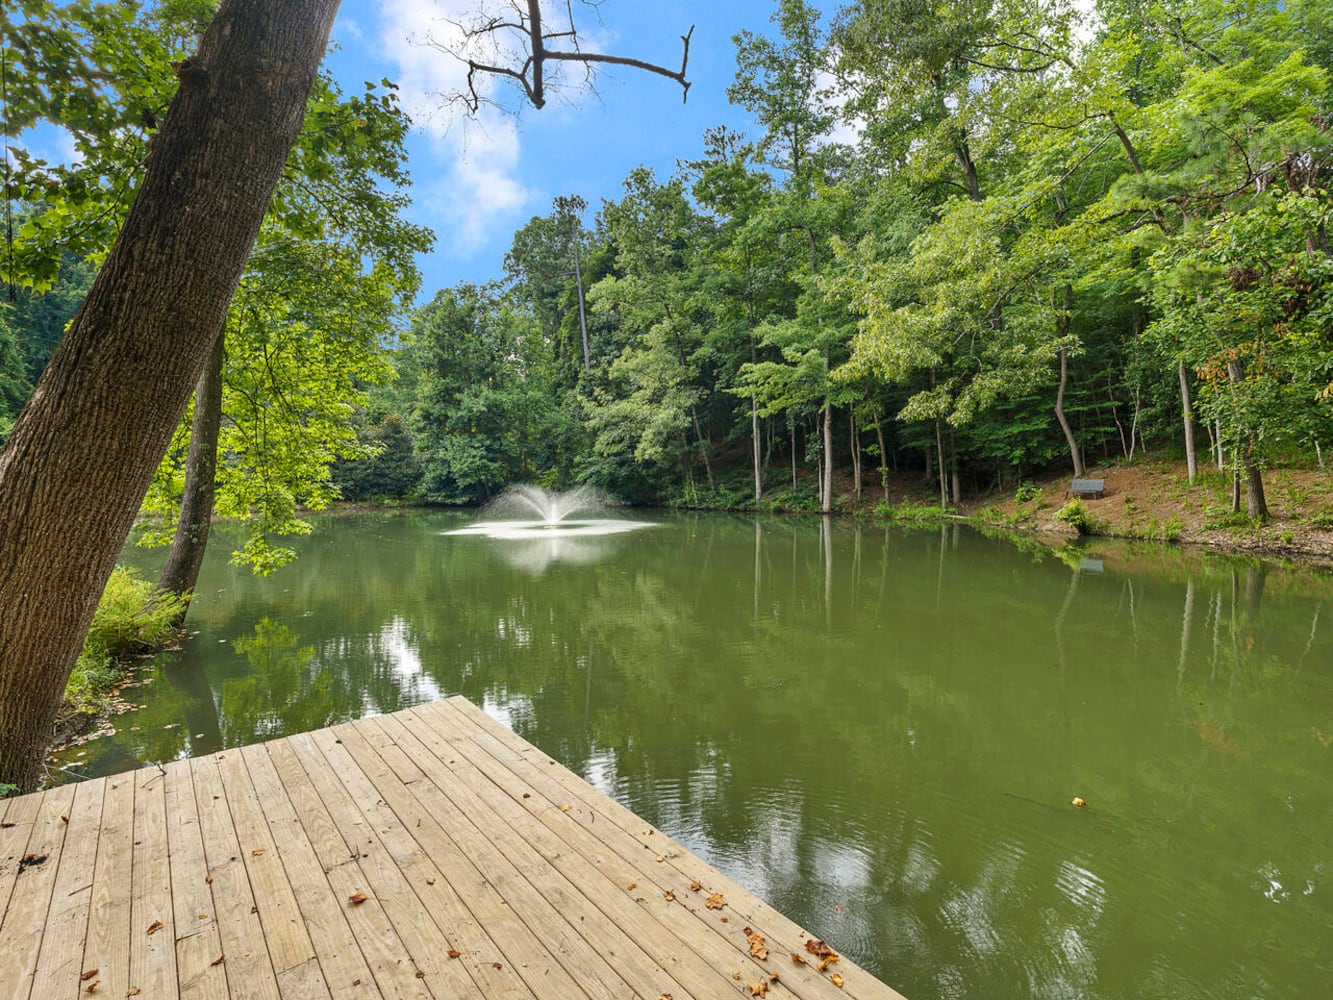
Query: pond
[(880, 732)]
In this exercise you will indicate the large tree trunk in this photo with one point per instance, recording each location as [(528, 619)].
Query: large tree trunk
[(1191, 456), (82, 454), (181, 572)]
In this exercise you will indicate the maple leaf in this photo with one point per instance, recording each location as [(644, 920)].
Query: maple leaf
[(836, 980), (668, 895), (818, 948), (759, 989), (696, 885), (826, 961), (715, 901), (798, 959)]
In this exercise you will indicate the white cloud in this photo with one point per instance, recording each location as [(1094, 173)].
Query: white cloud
[(476, 186)]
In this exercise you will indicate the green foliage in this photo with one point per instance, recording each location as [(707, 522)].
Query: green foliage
[(1027, 490), (1077, 516), (132, 617), (1223, 518)]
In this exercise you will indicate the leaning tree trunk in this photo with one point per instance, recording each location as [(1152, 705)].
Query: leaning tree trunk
[(181, 572), (81, 456), (1191, 456), (1074, 454)]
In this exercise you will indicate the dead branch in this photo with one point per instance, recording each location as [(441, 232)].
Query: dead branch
[(524, 61)]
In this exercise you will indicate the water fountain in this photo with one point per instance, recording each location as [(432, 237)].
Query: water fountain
[(541, 521)]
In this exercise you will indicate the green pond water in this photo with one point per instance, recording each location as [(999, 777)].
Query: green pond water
[(879, 732)]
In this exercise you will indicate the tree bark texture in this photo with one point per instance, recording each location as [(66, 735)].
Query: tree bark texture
[(82, 454), (181, 571)]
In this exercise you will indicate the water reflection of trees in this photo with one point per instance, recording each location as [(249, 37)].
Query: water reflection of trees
[(873, 729)]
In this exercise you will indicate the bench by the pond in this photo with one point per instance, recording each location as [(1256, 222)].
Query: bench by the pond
[(431, 852), (1091, 489)]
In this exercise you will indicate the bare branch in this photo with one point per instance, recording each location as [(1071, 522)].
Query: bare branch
[(524, 18)]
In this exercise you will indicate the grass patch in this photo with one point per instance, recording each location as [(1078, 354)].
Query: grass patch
[(1222, 518), (912, 512)]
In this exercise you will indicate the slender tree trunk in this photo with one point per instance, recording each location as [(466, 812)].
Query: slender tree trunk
[(1221, 453), (583, 313), (757, 438), (792, 427), (1191, 457), (703, 446), (883, 457), (181, 571), (1134, 426), (939, 454), (856, 452), (81, 456), (1074, 453), (826, 498)]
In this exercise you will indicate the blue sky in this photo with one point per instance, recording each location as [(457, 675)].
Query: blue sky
[(475, 182)]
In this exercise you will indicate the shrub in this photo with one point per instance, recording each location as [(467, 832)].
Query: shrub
[(132, 617), (1027, 490), (1217, 517), (1076, 515)]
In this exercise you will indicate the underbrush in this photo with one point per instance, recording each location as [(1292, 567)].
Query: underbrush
[(1077, 516), (133, 617)]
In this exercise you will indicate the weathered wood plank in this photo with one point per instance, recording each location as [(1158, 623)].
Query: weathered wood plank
[(107, 947), (388, 855), (570, 924), (495, 902), (244, 951), (345, 973), (30, 900), (198, 941), (152, 920), (381, 948), (20, 814), (284, 932), (59, 961)]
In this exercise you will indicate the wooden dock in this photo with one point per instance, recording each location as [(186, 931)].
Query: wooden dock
[(429, 853)]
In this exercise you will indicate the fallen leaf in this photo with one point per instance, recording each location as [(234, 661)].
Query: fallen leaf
[(208, 879), (526, 795), (696, 885), (759, 989), (668, 895), (219, 960), (256, 852), (203, 916), (758, 948), (659, 859), (772, 977), (565, 809), (736, 975), (356, 899), (92, 987), (133, 991), (632, 885), (430, 881), (715, 901), (497, 965), (455, 953), (826, 961), (798, 959), (819, 948), (836, 980), (665, 996), (155, 926), (420, 974), (89, 975)]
